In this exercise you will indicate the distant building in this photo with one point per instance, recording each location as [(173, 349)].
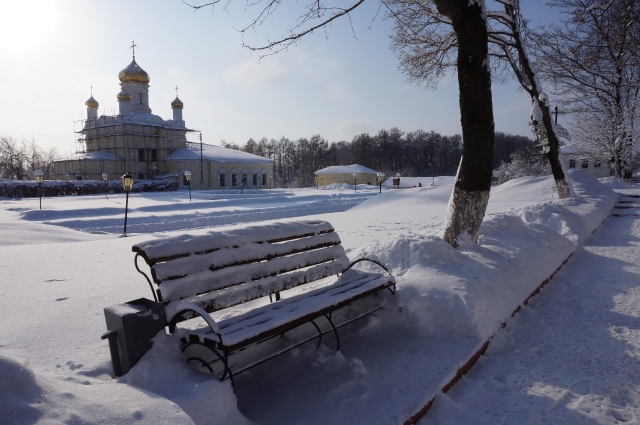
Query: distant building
[(344, 174), (573, 158), (138, 142)]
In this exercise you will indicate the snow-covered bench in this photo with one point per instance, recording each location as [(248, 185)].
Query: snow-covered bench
[(198, 275)]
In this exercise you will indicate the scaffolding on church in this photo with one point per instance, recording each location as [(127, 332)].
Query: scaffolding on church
[(121, 145)]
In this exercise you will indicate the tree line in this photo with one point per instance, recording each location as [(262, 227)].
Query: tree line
[(416, 153)]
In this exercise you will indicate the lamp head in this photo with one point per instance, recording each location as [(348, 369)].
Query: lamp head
[(187, 174), (104, 176), (127, 182), (39, 175), (397, 174)]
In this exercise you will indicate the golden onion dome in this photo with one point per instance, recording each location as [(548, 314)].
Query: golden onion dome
[(177, 103), (133, 73), (92, 103), (123, 95)]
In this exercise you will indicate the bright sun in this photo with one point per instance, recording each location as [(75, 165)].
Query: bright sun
[(24, 24)]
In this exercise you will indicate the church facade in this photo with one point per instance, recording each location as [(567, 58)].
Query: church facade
[(137, 142)]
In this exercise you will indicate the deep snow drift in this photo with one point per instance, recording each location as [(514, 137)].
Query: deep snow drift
[(449, 302)]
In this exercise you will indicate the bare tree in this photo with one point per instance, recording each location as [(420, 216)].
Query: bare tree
[(509, 34), (18, 160), (426, 44), (592, 60), (467, 21)]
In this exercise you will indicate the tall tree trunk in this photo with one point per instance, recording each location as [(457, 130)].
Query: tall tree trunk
[(562, 185), (470, 196)]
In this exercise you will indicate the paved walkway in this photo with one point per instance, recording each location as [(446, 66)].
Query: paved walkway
[(573, 355)]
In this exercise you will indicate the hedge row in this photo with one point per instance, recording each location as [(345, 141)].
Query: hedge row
[(29, 189)]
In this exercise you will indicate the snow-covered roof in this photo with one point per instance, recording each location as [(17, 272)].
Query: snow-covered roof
[(346, 169), (216, 153), (569, 149), (105, 156)]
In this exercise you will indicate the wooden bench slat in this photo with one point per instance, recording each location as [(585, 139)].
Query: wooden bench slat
[(159, 250), (245, 253), (232, 295)]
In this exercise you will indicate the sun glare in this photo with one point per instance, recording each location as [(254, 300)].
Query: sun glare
[(24, 24)]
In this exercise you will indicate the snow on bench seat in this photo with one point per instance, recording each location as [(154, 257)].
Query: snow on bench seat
[(258, 324)]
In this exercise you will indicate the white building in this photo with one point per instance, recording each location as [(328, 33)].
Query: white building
[(145, 145), (573, 158), (345, 174)]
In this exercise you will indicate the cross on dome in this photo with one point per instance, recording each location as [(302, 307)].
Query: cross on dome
[(133, 47)]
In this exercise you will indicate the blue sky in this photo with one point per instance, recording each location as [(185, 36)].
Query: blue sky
[(52, 51)]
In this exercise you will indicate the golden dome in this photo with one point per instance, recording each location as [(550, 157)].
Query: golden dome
[(177, 103), (123, 95), (92, 103), (133, 73)]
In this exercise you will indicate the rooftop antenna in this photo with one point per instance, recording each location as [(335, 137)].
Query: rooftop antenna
[(133, 47)]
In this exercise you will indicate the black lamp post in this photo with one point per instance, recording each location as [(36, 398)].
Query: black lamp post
[(355, 187), (127, 184), (106, 189), (398, 179), (39, 175), (187, 175), (380, 176)]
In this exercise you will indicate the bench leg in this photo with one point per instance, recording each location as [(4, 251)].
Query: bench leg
[(223, 358), (319, 332), (335, 331)]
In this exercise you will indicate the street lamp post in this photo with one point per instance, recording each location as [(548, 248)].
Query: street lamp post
[(397, 179), (127, 184), (355, 186), (187, 175), (106, 189), (380, 176), (39, 175)]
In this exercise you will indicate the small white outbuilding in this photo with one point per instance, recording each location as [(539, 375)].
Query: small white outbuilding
[(345, 174)]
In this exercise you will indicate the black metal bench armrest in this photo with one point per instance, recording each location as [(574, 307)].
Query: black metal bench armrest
[(368, 259), (135, 261), (182, 307)]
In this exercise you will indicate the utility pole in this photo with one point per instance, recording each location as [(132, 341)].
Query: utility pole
[(201, 165)]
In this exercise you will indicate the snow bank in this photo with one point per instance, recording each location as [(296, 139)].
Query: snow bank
[(472, 291), (614, 183), (29, 397)]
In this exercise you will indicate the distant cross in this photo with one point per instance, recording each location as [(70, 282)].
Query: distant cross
[(176, 91), (91, 91), (133, 47)]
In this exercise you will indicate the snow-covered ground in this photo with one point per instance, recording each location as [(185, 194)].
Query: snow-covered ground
[(62, 265)]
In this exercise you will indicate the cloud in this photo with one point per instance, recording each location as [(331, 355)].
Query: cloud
[(340, 92), (350, 128), (252, 73)]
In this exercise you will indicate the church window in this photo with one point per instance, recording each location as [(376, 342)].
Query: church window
[(597, 164), (255, 179), (572, 163), (154, 154), (141, 98), (140, 176), (141, 155), (264, 179), (234, 179), (223, 180), (244, 179), (585, 163), (78, 175)]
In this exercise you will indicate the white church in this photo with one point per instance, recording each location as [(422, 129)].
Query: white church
[(137, 142)]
